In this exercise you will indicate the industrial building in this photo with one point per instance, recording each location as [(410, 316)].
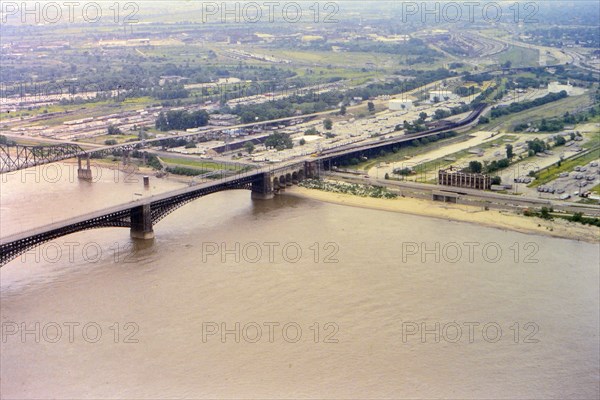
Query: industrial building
[(457, 178)]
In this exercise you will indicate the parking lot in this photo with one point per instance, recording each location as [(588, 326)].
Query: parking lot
[(575, 183)]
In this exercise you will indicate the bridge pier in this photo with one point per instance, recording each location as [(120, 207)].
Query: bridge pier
[(141, 222), (262, 187), (311, 169), (126, 157), (282, 183), (84, 173)]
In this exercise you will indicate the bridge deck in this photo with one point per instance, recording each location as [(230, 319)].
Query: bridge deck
[(246, 176), (124, 207)]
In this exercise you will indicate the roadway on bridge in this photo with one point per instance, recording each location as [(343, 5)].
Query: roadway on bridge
[(271, 169), (149, 200)]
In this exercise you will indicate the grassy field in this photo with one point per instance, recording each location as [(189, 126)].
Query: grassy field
[(353, 59), (26, 142), (594, 138), (570, 104), (520, 57), (204, 165), (94, 109), (101, 139), (434, 165)]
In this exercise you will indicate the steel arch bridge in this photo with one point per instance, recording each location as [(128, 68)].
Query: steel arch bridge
[(141, 215), (127, 216)]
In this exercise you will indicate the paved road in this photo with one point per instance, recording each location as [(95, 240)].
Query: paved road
[(45, 140)]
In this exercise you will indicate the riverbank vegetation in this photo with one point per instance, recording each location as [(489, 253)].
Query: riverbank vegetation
[(378, 192)]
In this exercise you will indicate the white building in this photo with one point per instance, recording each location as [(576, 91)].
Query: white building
[(399, 105), (442, 95), (556, 87)]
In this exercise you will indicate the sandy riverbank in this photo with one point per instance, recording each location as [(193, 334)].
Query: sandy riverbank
[(458, 212)]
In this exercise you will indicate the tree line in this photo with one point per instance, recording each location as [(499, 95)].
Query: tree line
[(525, 105), (181, 120)]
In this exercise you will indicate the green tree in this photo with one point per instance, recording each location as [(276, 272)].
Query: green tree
[(440, 113), (536, 145), (327, 124), (475, 167), (404, 171), (509, 151), (161, 122), (545, 213), (371, 107), (249, 147), (181, 119), (279, 141), (113, 130), (577, 217), (343, 109)]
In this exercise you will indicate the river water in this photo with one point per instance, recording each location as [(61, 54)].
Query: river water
[(290, 298)]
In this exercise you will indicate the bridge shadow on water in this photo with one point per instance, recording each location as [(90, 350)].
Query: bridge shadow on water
[(279, 201)]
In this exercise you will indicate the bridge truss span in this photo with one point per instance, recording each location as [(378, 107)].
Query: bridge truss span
[(16, 157)]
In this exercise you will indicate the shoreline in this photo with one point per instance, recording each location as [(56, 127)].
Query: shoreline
[(498, 219)]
